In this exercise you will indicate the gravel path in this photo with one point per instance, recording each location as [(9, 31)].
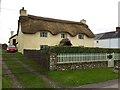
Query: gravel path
[(8, 72)]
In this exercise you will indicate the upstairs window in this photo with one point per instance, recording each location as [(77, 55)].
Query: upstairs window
[(43, 34), (81, 36), (64, 35)]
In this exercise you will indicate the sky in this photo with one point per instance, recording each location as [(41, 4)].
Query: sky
[(100, 15)]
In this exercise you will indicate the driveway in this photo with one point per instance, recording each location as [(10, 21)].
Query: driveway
[(108, 84)]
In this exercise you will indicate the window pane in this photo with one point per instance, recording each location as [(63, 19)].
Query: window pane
[(63, 35), (81, 36), (43, 34)]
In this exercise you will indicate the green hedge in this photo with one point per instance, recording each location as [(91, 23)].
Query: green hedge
[(56, 49)]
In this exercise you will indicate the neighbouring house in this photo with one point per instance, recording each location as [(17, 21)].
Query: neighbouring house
[(36, 32), (13, 39), (108, 39)]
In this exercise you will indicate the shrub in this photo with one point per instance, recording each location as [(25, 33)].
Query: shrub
[(57, 49)]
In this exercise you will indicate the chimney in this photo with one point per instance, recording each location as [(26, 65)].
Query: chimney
[(117, 29), (12, 32), (23, 12), (83, 21)]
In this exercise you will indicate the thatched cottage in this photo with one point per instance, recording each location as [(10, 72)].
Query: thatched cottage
[(36, 32)]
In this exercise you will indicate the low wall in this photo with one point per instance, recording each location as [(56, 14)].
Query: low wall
[(50, 62), (117, 63), (81, 65), (76, 65)]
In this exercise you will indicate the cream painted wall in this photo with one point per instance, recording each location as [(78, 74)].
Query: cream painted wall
[(88, 42), (33, 41)]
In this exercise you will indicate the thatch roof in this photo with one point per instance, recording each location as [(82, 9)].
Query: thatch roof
[(32, 24)]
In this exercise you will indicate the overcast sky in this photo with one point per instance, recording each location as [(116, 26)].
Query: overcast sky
[(101, 15)]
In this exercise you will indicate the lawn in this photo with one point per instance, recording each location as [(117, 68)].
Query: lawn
[(80, 77), (25, 77)]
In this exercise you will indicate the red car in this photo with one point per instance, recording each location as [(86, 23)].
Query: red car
[(11, 48)]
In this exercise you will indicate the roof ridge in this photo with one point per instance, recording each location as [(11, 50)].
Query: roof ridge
[(105, 32), (55, 20)]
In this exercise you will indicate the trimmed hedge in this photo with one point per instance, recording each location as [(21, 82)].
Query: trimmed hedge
[(67, 49), (56, 49)]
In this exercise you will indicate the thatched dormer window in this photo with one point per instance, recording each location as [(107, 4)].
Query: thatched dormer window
[(43, 34), (63, 35), (81, 36)]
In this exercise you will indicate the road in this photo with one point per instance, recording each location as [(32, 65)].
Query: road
[(108, 84)]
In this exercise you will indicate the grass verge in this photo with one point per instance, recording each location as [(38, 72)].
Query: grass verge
[(80, 77)]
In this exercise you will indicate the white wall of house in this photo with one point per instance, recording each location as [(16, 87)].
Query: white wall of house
[(107, 43), (118, 42), (114, 43)]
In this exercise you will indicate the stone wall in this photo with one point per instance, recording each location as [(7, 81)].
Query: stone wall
[(81, 65), (49, 62), (72, 66), (117, 63)]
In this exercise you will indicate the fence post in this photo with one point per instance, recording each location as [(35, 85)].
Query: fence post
[(110, 57)]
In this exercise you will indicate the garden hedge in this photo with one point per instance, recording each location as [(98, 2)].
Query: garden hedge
[(66, 49)]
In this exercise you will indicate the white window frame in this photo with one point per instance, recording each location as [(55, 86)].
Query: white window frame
[(81, 36), (63, 35), (43, 34)]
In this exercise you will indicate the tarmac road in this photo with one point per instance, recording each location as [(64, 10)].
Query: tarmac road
[(108, 84)]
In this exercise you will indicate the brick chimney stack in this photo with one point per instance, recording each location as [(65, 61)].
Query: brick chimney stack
[(117, 29), (23, 12), (83, 21)]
